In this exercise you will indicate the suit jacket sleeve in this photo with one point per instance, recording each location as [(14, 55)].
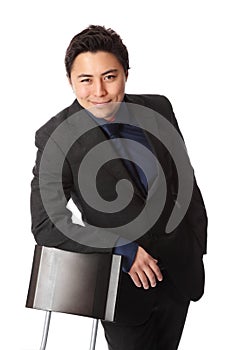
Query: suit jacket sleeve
[(44, 229)]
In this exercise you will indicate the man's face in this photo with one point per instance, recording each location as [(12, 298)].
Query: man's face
[(98, 80)]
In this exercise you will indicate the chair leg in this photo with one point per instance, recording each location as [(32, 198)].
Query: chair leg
[(46, 330), (94, 333)]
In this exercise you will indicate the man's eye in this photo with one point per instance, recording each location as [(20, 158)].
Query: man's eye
[(86, 80), (110, 77)]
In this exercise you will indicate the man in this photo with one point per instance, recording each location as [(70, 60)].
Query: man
[(161, 272)]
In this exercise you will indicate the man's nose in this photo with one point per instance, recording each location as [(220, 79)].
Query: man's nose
[(99, 88)]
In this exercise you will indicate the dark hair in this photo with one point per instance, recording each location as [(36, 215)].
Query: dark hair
[(93, 39)]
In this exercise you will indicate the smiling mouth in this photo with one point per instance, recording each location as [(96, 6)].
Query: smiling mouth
[(100, 103)]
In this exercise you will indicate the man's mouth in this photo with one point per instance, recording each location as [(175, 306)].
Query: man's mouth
[(100, 103)]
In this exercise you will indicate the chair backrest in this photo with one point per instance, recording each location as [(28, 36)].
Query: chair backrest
[(74, 283)]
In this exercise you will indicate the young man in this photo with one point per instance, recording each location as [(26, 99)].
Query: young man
[(161, 272)]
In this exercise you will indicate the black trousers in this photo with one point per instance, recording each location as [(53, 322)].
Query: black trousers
[(161, 331)]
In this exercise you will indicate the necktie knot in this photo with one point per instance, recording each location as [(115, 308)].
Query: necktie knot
[(112, 129)]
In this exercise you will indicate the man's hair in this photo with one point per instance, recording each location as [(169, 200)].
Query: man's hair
[(94, 39)]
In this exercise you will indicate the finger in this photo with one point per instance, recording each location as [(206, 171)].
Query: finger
[(155, 268), (143, 279), (135, 279), (150, 276)]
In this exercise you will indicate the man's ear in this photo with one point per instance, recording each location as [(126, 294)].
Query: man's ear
[(69, 80), (70, 83), (126, 75)]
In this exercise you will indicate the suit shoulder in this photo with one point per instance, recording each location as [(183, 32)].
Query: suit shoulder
[(159, 103), (150, 98), (44, 132)]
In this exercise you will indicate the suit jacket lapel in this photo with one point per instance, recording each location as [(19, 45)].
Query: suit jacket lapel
[(148, 121), (80, 120)]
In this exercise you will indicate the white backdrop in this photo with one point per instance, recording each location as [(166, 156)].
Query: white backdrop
[(182, 49)]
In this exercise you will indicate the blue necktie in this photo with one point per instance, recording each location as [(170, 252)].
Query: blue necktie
[(116, 130)]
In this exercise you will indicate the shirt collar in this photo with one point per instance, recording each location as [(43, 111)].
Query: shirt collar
[(123, 116)]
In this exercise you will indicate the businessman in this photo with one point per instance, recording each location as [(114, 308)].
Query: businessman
[(162, 272)]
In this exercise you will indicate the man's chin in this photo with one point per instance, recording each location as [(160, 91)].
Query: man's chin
[(105, 111)]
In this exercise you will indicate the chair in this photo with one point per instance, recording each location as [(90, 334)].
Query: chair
[(74, 283)]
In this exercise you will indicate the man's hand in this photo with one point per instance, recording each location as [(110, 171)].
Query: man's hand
[(145, 271)]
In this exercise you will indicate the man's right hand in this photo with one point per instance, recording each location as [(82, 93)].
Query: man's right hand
[(145, 271)]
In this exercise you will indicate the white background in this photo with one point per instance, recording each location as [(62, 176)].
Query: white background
[(181, 49)]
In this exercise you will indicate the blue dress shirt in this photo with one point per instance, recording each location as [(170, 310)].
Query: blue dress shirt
[(117, 131)]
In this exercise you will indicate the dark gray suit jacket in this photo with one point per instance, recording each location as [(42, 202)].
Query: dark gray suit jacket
[(180, 252)]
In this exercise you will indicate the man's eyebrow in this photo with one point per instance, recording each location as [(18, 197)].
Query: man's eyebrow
[(110, 71), (84, 75)]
